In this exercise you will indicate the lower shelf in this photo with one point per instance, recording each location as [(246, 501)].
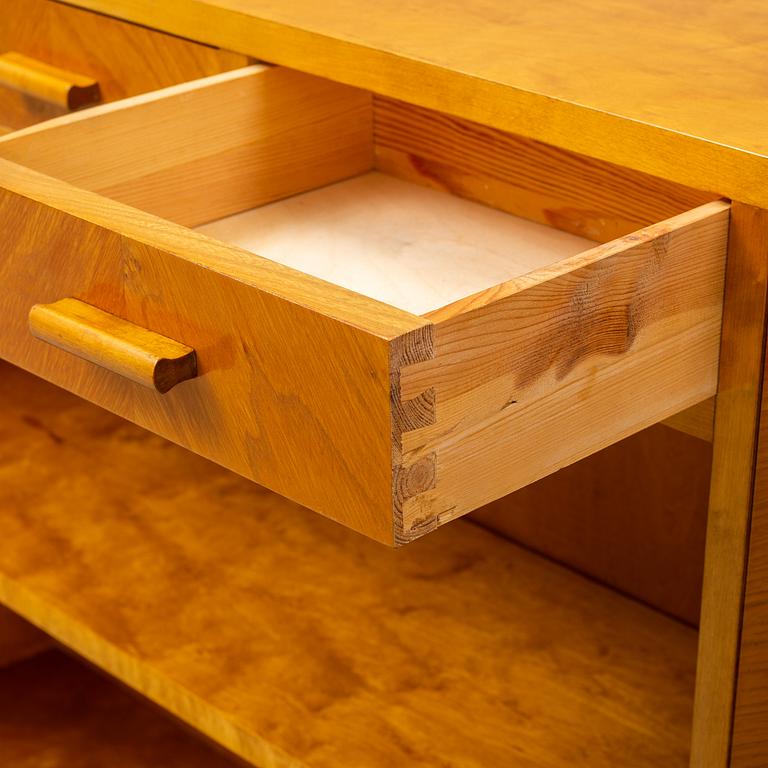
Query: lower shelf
[(295, 642), (57, 713)]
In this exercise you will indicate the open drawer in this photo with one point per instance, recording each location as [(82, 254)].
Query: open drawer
[(384, 352)]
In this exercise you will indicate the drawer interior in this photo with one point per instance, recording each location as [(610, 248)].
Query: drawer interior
[(399, 204), (469, 311), (293, 641)]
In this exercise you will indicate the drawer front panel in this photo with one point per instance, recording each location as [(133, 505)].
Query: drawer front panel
[(124, 59), (286, 395)]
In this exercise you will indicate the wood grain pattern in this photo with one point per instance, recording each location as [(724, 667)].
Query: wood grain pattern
[(738, 401), (649, 86), (65, 89), (295, 642), (697, 421), (230, 142), (570, 192), (749, 743), (293, 382), (129, 350), (632, 516), (58, 713), (125, 59), (594, 349), (750, 726), (18, 638)]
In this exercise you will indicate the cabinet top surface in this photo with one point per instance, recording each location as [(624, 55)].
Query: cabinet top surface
[(677, 88)]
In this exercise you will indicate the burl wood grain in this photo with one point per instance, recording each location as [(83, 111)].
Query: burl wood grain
[(59, 713), (124, 59), (295, 642)]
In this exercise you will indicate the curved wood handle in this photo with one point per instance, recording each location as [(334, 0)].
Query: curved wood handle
[(140, 355), (47, 83)]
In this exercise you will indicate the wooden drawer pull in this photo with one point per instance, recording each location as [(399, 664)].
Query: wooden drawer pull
[(140, 355), (47, 83)]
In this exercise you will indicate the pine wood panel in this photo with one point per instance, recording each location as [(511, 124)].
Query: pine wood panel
[(577, 194), (738, 401), (632, 516), (109, 51), (296, 642), (18, 638), (230, 142), (545, 370), (651, 86), (58, 713)]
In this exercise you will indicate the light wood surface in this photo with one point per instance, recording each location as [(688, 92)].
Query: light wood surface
[(125, 59), (733, 476), (577, 194), (18, 638), (56, 712), (663, 88), (749, 745), (414, 248), (296, 642), (633, 516), (549, 368), (230, 142), (129, 350), (65, 89)]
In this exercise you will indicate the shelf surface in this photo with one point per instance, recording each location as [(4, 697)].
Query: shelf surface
[(295, 642), (415, 248), (56, 712)]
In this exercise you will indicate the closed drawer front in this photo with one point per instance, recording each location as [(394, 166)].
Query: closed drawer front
[(58, 44), (396, 317)]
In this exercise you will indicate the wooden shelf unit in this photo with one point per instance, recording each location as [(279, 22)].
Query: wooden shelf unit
[(295, 642)]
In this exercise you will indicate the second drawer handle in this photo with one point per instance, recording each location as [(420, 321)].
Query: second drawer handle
[(47, 83), (140, 355)]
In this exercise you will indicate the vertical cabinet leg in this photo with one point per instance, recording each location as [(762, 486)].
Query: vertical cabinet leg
[(733, 480)]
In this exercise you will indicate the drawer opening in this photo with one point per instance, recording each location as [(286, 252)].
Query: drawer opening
[(488, 311), (292, 641), (400, 204)]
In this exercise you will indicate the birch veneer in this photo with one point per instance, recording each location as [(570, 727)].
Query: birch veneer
[(294, 642)]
